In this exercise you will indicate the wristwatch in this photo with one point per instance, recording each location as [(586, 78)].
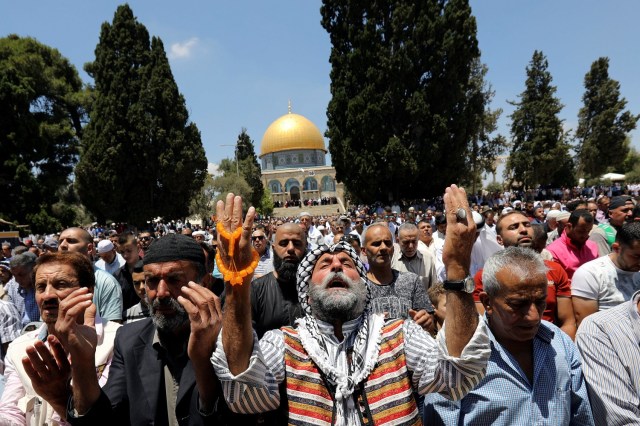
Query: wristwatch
[(467, 285)]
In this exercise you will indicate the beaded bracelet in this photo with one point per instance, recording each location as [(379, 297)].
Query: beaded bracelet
[(231, 275)]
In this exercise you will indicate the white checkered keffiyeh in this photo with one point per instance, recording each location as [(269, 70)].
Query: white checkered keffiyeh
[(366, 344)]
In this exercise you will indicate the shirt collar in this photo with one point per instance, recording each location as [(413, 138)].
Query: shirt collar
[(348, 328)]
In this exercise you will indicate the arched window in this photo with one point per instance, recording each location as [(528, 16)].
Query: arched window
[(291, 183), (328, 184), (310, 184), (275, 187)]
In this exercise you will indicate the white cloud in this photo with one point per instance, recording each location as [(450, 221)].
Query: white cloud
[(213, 169), (184, 49)]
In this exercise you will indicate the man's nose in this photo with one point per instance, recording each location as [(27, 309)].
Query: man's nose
[(534, 314), (162, 291)]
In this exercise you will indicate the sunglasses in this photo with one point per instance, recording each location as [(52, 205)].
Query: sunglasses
[(145, 239), (359, 222), (257, 237)]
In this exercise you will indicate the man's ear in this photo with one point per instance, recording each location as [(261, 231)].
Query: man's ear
[(499, 240), (486, 302), (615, 247)]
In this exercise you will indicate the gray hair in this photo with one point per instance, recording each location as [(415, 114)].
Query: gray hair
[(522, 262), (26, 259), (407, 227)]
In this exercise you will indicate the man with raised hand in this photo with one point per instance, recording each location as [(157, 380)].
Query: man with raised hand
[(37, 373), (161, 373), (336, 359)]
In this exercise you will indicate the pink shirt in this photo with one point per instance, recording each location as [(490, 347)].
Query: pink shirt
[(571, 256)]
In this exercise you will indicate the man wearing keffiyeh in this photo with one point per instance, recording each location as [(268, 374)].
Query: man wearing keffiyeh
[(342, 364)]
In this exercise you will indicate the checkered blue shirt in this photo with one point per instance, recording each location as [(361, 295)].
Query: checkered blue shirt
[(24, 301), (558, 395)]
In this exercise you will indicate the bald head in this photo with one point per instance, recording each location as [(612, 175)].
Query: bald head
[(290, 228), (76, 240), (375, 227)]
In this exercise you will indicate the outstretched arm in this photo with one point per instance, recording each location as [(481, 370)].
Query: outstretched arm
[(237, 332), (462, 318)]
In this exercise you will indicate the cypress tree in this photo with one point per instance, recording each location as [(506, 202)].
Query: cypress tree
[(141, 157), (400, 77), (603, 126), (249, 167), (539, 151)]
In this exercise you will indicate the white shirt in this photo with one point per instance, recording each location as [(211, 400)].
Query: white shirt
[(602, 281)]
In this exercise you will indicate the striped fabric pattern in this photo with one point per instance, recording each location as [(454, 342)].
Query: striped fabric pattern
[(388, 390), (609, 342), (432, 368)]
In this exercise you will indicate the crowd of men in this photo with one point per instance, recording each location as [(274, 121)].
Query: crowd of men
[(515, 313)]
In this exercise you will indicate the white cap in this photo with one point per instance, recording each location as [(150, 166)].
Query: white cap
[(553, 214), (105, 246)]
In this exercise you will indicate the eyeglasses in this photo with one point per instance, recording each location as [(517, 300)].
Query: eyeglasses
[(359, 222), (349, 238), (145, 238), (257, 237)]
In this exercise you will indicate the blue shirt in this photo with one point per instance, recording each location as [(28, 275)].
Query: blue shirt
[(24, 300), (558, 395)]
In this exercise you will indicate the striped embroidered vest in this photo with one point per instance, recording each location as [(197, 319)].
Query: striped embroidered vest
[(388, 394)]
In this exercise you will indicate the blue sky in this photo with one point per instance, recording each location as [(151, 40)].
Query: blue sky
[(239, 63)]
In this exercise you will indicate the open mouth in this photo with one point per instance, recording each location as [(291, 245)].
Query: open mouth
[(337, 284)]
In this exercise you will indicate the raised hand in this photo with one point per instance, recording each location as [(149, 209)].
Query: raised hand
[(205, 317), (50, 373), (80, 339), (235, 254), (460, 236)]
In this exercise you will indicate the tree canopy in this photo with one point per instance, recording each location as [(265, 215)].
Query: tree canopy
[(539, 149), (41, 114), (141, 156), (402, 73), (249, 167), (602, 124)]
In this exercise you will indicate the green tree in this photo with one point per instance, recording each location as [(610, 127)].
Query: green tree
[(539, 151), (400, 78), (202, 204), (249, 167), (41, 115), (631, 164), (141, 156), (229, 181), (602, 124), (484, 148)]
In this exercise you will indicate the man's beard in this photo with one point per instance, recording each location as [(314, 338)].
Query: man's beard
[(286, 270), (168, 324), (330, 305)]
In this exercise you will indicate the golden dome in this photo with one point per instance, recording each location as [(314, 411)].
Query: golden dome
[(291, 131)]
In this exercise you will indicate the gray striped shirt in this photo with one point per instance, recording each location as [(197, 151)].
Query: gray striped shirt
[(609, 342), (256, 389)]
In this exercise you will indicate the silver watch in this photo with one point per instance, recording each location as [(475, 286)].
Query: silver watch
[(466, 285)]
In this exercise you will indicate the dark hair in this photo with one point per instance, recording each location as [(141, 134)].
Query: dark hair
[(79, 262), (580, 213), (507, 214), (441, 219), (126, 238), (629, 233), (211, 256), (427, 221)]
